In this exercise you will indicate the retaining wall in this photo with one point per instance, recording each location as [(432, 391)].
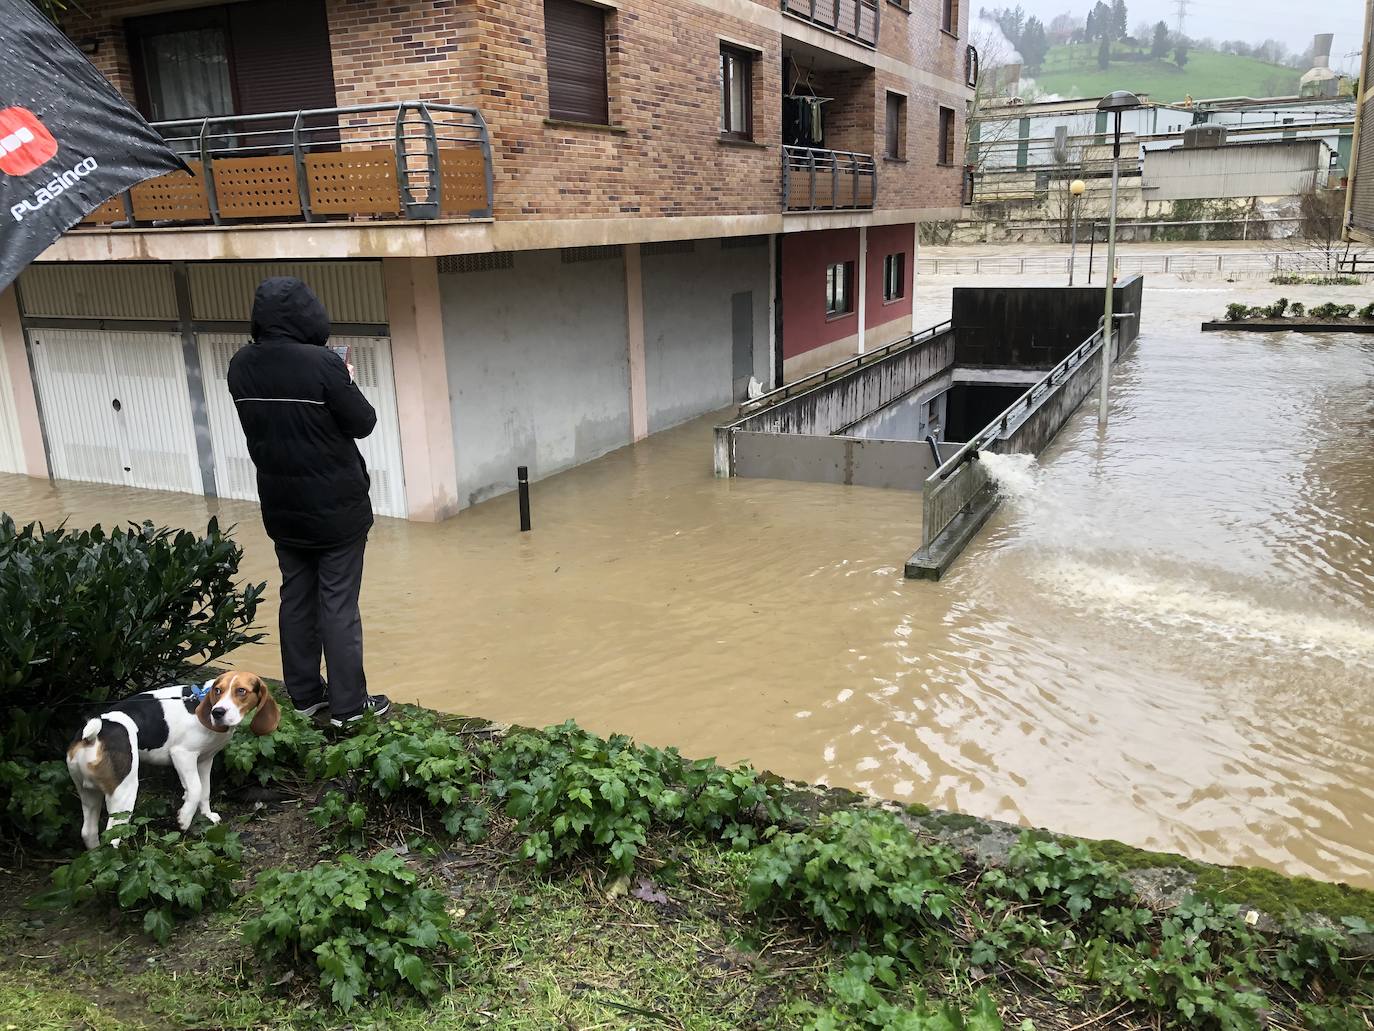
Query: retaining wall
[(1034, 326)]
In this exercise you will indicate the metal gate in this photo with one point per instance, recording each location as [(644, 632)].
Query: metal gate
[(116, 408), (234, 473)]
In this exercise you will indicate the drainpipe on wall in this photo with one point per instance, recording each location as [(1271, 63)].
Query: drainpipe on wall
[(775, 254), (863, 286)]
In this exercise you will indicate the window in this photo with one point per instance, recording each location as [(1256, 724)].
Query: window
[(839, 292), (896, 127), (894, 277), (242, 58), (575, 38), (736, 102), (945, 156), (949, 16)]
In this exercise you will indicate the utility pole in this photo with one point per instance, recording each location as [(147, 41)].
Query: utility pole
[(1181, 15)]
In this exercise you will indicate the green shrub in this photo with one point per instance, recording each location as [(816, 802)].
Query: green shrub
[(858, 873), (284, 756), (1292, 280), (1059, 877), (165, 877), (364, 925), (408, 767), (860, 1002), (37, 802), (1276, 310), (576, 794), (1367, 312), (1237, 312), (1331, 310), (1297, 309), (88, 615), (1203, 970)]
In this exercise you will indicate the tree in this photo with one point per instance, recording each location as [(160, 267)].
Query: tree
[(1104, 22), (1159, 49), (1104, 55), (1034, 45), (1090, 29), (1120, 25), (1181, 54)]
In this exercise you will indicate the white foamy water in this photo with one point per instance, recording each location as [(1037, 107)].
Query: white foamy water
[(1017, 476)]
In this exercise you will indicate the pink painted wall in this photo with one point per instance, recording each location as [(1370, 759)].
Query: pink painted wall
[(805, 257), (882, 241)]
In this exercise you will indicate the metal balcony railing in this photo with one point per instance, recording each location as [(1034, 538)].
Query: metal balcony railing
[(378, 161), (856, 19), (827, 180)]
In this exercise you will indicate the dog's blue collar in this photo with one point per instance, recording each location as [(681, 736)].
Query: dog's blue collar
[(199, 691)]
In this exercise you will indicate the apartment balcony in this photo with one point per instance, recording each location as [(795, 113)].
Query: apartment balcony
[(853, 19), (828, 180), (378, 162)]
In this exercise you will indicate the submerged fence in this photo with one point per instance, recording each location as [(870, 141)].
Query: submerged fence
[(1308, 261)]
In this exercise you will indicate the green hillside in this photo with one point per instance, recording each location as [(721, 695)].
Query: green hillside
[(1072, 71)]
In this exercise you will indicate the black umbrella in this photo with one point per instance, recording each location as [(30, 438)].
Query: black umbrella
[(68, 141)]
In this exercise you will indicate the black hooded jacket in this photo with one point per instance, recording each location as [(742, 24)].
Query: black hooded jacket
[(301, 412)]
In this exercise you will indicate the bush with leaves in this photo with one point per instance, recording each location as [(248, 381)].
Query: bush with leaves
[(165, 877), (1059, 877), (1237, 312), (1333, 311), (281, 757), (1367, 312), (861, 873), (1297, 309), (87, 615), (1276, 310), (862, 999), (406, 768), (37, 803), (576, 794), (365, 926)]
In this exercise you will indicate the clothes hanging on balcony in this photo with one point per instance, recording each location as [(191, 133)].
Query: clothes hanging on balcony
[(804, 121)]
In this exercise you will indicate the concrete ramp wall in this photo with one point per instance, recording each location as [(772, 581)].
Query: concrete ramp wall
[(851, 461)]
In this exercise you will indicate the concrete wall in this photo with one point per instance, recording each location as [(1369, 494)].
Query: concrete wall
[(706, 327), (830, 407), (1275, 168), (891, 464), (537, 367), (1034, 326)]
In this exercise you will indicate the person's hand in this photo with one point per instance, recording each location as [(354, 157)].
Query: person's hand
[(349, 366)]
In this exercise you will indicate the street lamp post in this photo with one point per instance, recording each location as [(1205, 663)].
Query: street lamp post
[(1116, 103), (1076, 189)]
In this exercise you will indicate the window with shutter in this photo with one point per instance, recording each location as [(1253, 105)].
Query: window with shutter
[(243, 58), (946, 153), (575, 38)]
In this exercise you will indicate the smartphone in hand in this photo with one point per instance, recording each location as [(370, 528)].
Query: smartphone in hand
[(345, 352)]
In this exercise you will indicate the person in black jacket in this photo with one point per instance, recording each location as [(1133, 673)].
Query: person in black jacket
[(301, 412)]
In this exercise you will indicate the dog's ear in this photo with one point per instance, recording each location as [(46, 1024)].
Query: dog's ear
[(267, 717)]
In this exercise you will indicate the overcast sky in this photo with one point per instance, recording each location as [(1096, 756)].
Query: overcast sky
[(1291, 22)]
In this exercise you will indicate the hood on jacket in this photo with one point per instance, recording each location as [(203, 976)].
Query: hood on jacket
[(284, 308)]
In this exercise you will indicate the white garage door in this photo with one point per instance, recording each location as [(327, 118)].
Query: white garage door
[(116, 408), (234, 474)]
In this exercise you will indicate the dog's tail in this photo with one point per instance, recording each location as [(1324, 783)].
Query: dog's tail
[(90, 730)]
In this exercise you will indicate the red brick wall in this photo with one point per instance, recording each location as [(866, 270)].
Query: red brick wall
[(665, 159)]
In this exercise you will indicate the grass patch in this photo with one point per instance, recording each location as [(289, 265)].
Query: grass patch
[(1072, 70)]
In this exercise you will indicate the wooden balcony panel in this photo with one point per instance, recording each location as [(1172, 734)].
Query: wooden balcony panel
[(462, 180), (261, 187), (353, 183), (175, 197)]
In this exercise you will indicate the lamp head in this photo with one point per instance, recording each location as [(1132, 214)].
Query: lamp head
[(1077, 187), (1120, 100)]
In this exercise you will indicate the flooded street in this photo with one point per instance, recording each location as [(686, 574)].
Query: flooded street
[(1165, 636)]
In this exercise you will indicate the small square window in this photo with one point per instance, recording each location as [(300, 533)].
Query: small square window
[(894, 277), (945, 155), (896, 126), (736, 100), (839, 289)]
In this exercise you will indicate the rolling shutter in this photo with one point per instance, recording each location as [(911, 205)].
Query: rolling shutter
[(576, 43), (280, 56)]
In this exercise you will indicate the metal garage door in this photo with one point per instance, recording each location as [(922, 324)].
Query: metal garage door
[(11, 449), (234, 474), (116, 409)]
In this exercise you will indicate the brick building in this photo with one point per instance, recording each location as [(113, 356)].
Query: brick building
[(546, 227)]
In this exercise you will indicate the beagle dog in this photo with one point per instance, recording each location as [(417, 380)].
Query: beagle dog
[(184, 727)]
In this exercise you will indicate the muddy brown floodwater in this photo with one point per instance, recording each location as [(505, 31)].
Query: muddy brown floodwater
[(1165, 636)]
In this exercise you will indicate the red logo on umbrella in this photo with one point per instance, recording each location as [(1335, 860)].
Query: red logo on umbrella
[(25, 143)]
